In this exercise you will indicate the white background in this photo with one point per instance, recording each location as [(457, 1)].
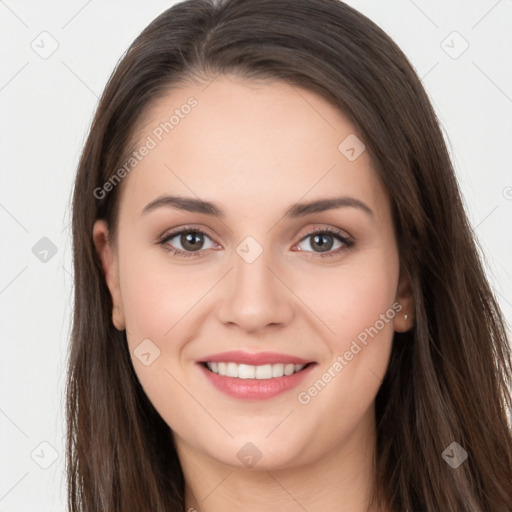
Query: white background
[(46, 108)]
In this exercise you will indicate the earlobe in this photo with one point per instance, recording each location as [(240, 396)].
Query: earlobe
[(404, 319), (109, 264)]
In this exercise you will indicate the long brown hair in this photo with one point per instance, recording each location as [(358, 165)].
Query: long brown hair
[(449, 378)]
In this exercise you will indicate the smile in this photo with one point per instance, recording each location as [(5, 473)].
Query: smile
[(248, 382), (247, 371)]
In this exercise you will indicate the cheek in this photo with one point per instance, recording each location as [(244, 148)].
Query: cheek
[(156, 294), (352, 298), (358, 304), (159, 303)]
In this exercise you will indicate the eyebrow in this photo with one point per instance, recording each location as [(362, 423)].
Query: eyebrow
[(191, 204)]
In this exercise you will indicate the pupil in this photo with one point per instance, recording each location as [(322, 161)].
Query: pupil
[(191, 241), (324, 242)]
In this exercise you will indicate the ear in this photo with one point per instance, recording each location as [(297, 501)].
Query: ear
[(109, 263), (404, 319)]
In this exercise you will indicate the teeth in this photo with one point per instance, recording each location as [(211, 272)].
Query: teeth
[(243, 371), (277, 370), (231, 370), (247, 371)]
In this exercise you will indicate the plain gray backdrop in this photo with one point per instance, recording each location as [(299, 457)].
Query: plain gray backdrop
[(55, 60)]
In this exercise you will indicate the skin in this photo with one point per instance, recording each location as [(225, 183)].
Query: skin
[(255, 149)]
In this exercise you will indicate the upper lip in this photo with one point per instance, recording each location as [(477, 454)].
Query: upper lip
[(254, 359)]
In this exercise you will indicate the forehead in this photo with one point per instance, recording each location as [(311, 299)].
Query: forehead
[(248, 144)]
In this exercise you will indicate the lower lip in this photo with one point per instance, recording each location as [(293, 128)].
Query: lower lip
[(256, 389)]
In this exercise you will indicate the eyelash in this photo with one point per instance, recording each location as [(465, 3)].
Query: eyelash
[(197, 254)]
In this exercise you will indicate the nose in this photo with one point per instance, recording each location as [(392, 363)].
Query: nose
[(254, 296)]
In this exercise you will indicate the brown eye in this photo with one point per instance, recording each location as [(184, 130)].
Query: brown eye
[(187, 242), (325, 243), (192, 241)]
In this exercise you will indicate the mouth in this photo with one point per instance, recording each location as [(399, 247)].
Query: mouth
[(261, 381), (248, 371)]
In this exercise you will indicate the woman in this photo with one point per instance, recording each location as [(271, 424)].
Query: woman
[(278, 299)]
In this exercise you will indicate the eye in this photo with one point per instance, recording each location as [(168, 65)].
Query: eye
[(192, 242), (187, 242), (323, 241)]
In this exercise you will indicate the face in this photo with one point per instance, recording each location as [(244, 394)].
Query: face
[(257, 271)]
